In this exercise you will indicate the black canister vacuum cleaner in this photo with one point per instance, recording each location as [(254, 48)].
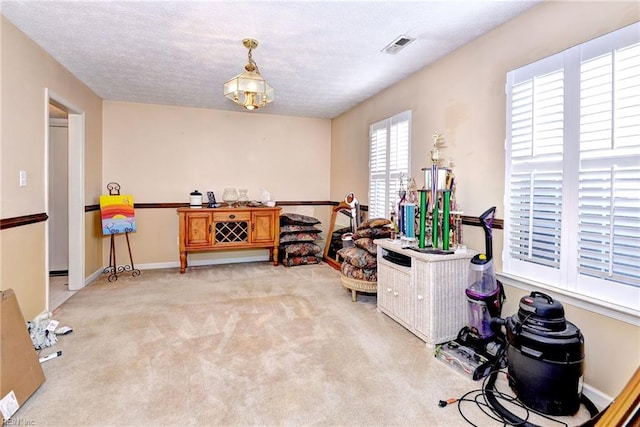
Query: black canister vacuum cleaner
[(545, 355)]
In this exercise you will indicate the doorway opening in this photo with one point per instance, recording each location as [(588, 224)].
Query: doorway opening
[(64, 198)]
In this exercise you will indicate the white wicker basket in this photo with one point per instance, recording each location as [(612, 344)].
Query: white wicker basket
[(355, 286)]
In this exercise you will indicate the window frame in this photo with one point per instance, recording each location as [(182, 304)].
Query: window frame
[(564, 282), (391, 177)]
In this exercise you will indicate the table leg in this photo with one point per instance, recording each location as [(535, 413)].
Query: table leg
[(183, 262)]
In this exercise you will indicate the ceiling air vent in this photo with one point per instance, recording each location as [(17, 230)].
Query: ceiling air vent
[(397, 45)]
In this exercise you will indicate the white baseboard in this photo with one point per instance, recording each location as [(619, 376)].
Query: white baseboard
[(201, 262), (598, 398), (92, 278)]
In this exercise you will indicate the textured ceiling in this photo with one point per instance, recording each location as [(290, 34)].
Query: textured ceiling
[(322, 57)]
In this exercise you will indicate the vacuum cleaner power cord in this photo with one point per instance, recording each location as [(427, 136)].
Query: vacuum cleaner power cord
[(492, 396), (492, 400)]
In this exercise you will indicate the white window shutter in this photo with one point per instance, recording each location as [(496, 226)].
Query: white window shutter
[(609, 182), (377, 167), (572, 176), (535, 193), (389, 154), (609, 225)]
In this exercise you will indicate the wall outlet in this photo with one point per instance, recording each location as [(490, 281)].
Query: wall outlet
[(23, 178)]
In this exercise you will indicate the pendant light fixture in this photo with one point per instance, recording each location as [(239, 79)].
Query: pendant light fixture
[(249, 89)]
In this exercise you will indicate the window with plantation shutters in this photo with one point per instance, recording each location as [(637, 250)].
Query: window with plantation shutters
[(389, 148), (572, 178)]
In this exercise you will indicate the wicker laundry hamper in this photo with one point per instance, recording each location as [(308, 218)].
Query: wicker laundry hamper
[(355, 285)]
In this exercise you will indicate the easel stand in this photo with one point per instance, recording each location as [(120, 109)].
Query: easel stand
[(114, 269)]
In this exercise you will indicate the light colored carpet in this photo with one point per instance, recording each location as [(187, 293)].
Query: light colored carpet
[(241, 344), (58, 291)]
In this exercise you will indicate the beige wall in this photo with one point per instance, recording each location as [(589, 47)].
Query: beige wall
[(23, 260), (462, 97), (162, 153), (93, 253), (26, 70)]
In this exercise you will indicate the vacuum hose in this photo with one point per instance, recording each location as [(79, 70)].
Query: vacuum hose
[(513, 419)]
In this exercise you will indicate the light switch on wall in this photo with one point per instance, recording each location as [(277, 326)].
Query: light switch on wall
[(23, 178)]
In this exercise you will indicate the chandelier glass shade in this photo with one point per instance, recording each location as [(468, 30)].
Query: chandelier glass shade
[(249, 89)]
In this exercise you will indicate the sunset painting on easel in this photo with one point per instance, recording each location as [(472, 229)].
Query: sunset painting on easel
[(117, 214)]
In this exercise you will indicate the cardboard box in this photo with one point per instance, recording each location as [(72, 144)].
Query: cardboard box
[(20, 370)]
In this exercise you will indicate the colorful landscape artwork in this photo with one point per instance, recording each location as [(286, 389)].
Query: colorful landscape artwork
[(117, 214)]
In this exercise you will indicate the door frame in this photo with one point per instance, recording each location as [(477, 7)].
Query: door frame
[(76, 215)]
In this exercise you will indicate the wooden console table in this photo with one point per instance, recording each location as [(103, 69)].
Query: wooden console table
[(212, 229)]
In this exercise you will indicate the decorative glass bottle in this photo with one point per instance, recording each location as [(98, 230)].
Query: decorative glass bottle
[(243, 198), (230, 196)]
